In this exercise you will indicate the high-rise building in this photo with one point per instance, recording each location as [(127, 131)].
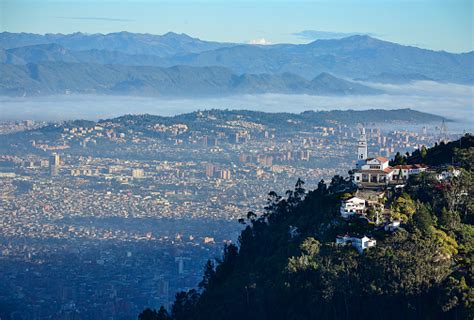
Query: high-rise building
[(225, 174), (304, 155), (138, 173), (265, 160), (443, 132), (163, 287), (54, 164), (180, 264), (210, 169), (234, 137), (210, 141), (55, 160)]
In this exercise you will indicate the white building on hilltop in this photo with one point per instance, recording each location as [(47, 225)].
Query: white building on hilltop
[(376, 172), (402, 172), (352, 206), (360, 243), (373, 171), (448, 174)]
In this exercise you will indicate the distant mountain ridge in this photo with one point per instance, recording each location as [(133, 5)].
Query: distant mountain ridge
[(64, 78), (52, 52), (145, 64), (395, 78), (352, 57), (126, 42)]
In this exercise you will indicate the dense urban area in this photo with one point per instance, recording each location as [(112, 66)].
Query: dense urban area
[(105, 218)]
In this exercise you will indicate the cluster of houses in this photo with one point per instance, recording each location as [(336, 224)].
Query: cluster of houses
[(359, 207), (372, 174), (373, 177)]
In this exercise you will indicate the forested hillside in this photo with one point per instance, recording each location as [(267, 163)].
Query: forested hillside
[(457, 152), (288, 266), (444, 153)]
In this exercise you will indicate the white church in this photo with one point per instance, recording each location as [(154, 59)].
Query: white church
[(370, 171), (376, 172)]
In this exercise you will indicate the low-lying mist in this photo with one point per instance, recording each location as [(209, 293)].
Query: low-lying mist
[(453, 101)]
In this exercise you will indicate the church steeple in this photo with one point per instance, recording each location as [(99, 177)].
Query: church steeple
[(362, 146)]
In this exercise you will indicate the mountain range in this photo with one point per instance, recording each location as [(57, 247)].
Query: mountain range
[(64, 78), (395, 78), (169, 44), (127, 63)]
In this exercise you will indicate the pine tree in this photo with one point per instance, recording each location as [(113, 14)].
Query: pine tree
[(208, 274), (422, 218)]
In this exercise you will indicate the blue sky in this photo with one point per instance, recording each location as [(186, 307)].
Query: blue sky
[(434, 24)]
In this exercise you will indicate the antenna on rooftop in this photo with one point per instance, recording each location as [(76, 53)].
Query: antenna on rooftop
[(443, 130)]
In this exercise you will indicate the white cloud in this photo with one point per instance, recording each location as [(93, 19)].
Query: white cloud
[(261, 41), (450, 100)]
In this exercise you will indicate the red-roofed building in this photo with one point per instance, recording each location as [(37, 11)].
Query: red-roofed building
[(374, 171), (402, 172)]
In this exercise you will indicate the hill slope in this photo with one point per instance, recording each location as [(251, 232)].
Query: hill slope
[(287, 265)]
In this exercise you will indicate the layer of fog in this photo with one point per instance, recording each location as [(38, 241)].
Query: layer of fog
[(453, 101)]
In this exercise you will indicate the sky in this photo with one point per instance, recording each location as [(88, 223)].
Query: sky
[(432, 24)]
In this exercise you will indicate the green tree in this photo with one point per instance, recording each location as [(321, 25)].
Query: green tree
[(422, 218), (449, 219), (299, 190), (458, 299), (307, 260), (184, 305), (148, 314), (163, 314), (403, 207), (398, 160), (423, 152), (447, 245), (208, 275), (464, 157)]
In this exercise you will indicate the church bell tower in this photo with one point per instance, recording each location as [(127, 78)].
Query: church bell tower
[(362, 147)]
